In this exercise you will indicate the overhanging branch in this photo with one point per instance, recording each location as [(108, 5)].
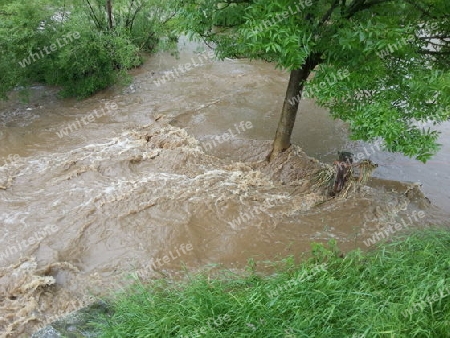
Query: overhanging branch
[(432, 52)]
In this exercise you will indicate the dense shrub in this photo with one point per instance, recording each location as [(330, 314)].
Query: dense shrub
[(75, 46)]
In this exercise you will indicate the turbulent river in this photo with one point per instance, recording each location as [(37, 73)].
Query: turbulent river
[(135, 182)]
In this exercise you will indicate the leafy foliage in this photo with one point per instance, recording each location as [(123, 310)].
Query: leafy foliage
[(88, 54), (397, 54)]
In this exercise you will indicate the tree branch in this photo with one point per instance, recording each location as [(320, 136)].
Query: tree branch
[(93, 16), (327, 15), (138, 9), (109, 12), (353, 7), (127, 19), (360, 5), (440, 37), (229, 2), (416, 5), (374, 2), (431, 52)]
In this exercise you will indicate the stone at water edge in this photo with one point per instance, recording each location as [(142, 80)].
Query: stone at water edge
[(75, 324)]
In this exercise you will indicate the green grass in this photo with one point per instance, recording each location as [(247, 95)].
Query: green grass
[(373, 294)]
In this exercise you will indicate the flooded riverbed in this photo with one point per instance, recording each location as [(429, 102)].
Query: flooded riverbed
[(135, 181)]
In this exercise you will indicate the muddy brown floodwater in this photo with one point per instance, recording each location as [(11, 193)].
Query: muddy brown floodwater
[(135, 181)]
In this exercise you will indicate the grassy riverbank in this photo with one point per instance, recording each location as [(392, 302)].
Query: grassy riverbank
[(400, 289)]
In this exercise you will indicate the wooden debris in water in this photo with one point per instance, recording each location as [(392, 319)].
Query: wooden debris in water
[(366, 168), (324, 178)]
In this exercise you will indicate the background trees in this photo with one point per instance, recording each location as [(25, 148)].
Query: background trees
[(81, 45), (395, 54)]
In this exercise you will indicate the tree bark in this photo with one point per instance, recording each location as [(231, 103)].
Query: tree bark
[(294, 90), (109, 10)]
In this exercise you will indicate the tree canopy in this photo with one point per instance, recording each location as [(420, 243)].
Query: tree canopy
[(382, 66)]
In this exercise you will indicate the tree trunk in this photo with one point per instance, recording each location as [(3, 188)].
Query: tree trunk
[(290, 106), (109, 10)]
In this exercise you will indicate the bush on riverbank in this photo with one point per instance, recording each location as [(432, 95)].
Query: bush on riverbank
[(401, 289), (74, 45)]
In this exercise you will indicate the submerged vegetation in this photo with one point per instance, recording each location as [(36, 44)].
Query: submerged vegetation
[(401, 289)]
